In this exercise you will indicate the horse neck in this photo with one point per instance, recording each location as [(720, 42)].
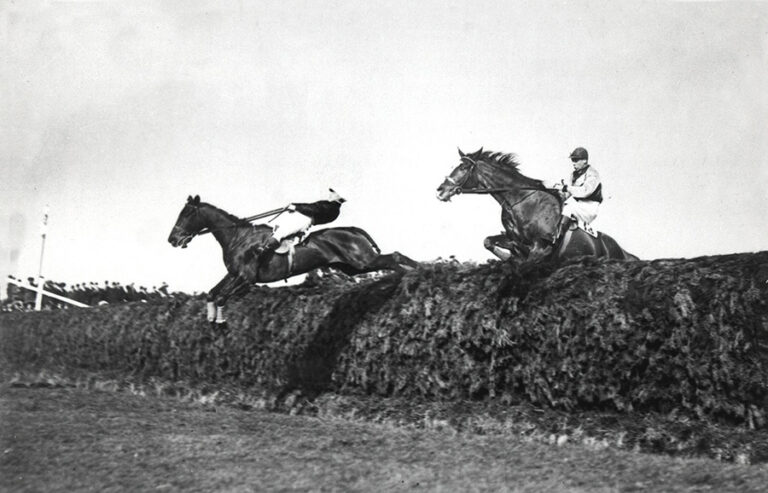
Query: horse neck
[(222, 226), (229, 230), (489, 177)]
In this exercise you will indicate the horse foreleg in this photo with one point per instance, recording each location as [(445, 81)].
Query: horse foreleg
[(218, 296), (395, 261), (540, 251), (503, 247), (213, 297)]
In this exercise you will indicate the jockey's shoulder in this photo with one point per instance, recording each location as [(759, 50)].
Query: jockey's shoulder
[(589, 170)]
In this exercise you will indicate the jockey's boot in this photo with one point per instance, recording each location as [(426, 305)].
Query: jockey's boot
[(262, 252), (267, 247), (270, 245), (565, 223)]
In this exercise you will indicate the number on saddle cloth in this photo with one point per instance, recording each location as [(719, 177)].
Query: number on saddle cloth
[(586, 228)]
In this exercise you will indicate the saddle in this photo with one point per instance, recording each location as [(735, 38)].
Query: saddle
[(584, 227), (288, 247)]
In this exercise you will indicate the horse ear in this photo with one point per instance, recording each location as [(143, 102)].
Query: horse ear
[(461, 154), (196, 200), (189, 199), (480, 151)]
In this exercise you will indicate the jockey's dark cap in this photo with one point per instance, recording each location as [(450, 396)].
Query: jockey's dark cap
[(579, 153)]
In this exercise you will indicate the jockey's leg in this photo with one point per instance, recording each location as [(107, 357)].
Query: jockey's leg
[(572, 210), (288, 224), (562, 226), (581, 210), (291, 223)]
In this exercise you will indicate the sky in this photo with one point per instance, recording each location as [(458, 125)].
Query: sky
[(114, 112)]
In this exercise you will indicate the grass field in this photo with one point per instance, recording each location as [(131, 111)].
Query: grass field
[(68, 439)]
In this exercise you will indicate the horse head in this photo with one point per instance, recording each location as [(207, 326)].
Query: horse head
[(463, 176), (188, 225)]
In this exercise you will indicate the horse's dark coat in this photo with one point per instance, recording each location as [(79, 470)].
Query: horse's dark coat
[(349, 249), (530, 212)]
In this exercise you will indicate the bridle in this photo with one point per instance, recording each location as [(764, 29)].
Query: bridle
[(204, 230), (275, 212), (472, 164)]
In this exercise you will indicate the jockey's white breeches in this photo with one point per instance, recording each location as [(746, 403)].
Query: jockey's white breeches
[(289, 223), (584, 210)]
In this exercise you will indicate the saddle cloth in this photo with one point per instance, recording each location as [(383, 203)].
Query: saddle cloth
[(288, 245), (586, 228)]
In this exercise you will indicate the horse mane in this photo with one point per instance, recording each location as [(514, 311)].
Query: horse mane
[(508, 165), (235, 219)]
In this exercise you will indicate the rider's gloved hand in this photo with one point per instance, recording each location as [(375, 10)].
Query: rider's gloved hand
[(291, 208)]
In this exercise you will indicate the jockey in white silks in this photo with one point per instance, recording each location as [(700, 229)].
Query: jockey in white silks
[(583, 194), (299, 217)]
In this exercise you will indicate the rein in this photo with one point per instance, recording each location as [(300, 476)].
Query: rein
[(473, 163), (492, 190), (274, 212), (495, 190)]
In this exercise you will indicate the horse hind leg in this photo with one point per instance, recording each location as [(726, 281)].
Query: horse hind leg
[(405, 262), (394, 261)]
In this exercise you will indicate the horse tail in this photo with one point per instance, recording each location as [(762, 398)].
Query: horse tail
[(364, 234)]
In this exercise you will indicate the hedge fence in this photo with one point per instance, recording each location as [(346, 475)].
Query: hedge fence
[(682, 335)]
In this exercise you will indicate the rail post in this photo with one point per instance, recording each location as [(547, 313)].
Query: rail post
[(40, 278)]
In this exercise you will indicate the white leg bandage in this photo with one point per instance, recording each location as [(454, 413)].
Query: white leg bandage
[(220, 315)]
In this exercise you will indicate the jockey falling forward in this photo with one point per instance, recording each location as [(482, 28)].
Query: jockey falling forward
[(583, 193), (300, 217)]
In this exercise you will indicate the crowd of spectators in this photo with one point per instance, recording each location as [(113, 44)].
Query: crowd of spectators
[(90, 293)]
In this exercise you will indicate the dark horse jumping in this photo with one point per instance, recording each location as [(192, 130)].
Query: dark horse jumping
[(530, 212), (349, 249)]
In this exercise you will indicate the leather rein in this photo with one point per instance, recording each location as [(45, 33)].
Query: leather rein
[(275, 212), (460, 190)]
